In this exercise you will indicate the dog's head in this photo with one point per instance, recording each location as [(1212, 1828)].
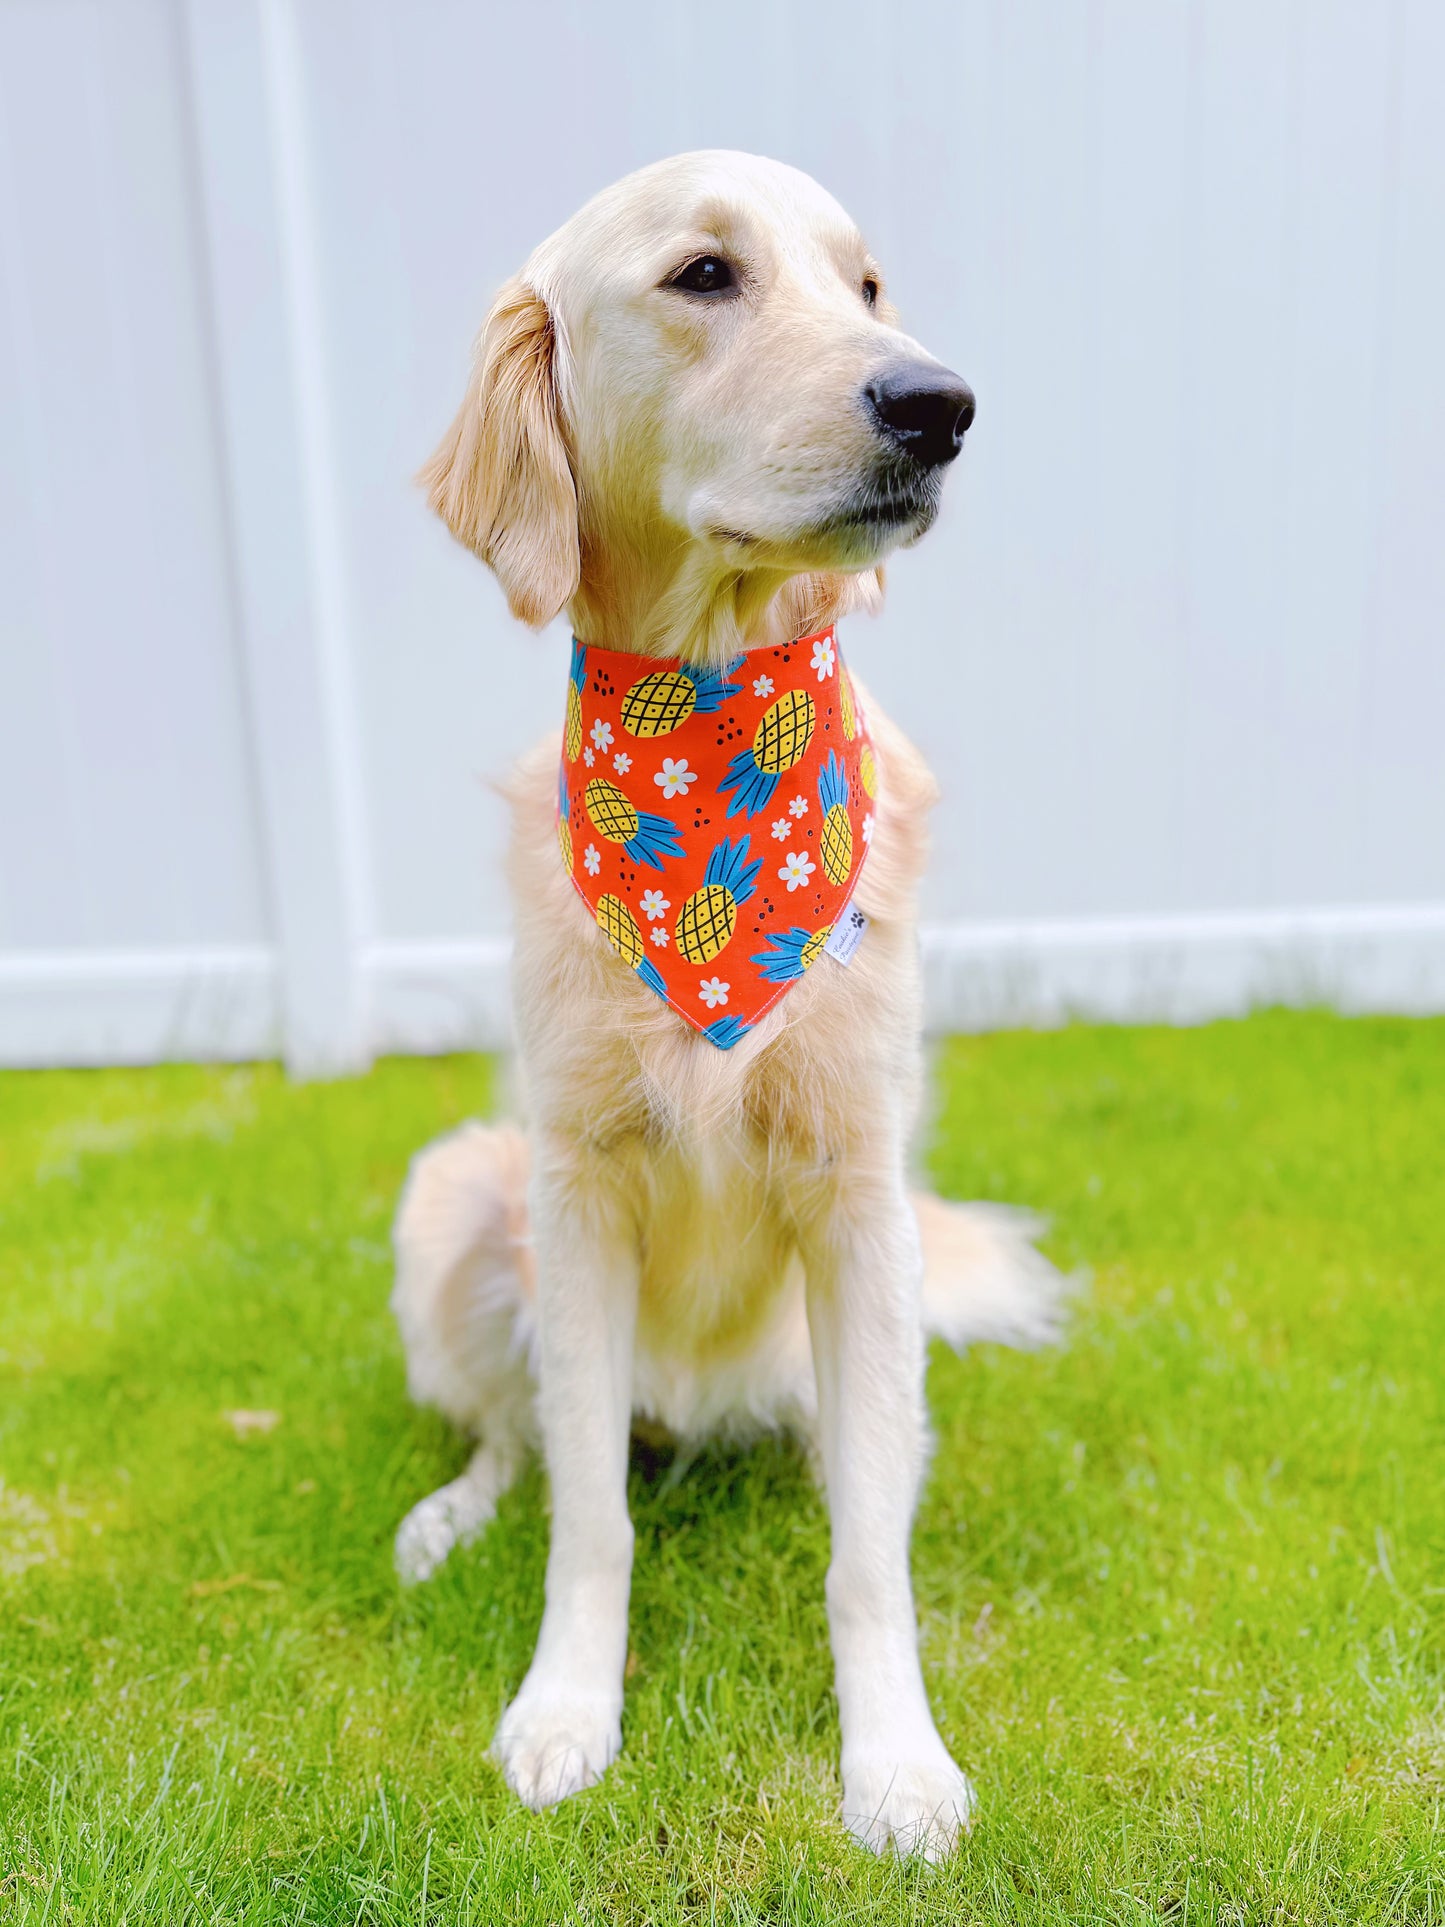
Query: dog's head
[(694, 392)]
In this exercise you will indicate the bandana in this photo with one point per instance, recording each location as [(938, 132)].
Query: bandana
[(715, 821)]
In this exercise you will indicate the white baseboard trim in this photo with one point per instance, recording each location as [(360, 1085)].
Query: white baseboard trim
[(77, 1007), (1381, 958), (224, 1003), (996, 976), (421, 999)]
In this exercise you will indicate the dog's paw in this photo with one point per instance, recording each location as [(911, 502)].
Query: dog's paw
[(550, 1745), (425, 1537), (918, 1806)]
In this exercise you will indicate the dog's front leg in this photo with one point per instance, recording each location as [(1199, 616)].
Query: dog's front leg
[(564, 1728), (864, 1284)]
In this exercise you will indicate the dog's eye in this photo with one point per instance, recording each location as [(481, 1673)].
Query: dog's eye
[(870, 293), (709, 274)]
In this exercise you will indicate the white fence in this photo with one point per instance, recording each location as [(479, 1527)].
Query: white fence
[(1176, 649)]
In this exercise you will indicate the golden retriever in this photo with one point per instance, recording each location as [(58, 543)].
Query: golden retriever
[(694, 424)]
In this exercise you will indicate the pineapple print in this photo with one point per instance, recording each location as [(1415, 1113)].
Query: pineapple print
[(868, 770), (564, 822), (813, 948), (836, 848), (576, 677), (646, 839), (789, 953), (662, 702), (619, 926), (846, 703), (706, 922), (781, 742), (686, 884), (725, 1031)]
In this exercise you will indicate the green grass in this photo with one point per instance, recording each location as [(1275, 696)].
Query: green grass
[(1182, 1582)]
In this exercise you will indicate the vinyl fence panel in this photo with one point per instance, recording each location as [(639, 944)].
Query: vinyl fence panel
[(1175, 648)]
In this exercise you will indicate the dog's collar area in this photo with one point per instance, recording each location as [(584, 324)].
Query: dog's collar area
[(641, 658), (715, 821)]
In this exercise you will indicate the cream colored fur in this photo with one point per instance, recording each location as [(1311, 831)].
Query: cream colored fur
[(707, 1241)]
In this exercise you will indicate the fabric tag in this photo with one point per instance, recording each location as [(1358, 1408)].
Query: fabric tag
[(847, 935)]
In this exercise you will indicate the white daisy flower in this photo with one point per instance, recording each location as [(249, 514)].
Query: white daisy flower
[(763, 686), (782, 828), (602, 733), (654, 905), (713, 991), (592, 861), (798, 806), (868, 827), (622, 762), (797, 868), (674, 776), (659, 935), (824, 656), (588, 758)]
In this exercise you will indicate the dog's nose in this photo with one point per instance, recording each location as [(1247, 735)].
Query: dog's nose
[(925, 409)]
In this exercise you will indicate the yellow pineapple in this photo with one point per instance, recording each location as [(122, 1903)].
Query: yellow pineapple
[(646, 838), (612, 813), (781, 742), (659, 703), (564, 822), (845, 700), (619, 926), (788, 953), (576, 676), (785, 732), (706, 922), (836, 845), (868, 770)]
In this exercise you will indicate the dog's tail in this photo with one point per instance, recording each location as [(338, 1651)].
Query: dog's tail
[(984, 1279)]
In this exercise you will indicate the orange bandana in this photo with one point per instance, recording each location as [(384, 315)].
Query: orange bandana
[(715, 821)]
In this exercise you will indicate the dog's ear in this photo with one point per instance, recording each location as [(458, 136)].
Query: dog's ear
[(501, 480)]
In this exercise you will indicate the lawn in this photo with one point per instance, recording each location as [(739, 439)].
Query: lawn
[(1181, 1582)]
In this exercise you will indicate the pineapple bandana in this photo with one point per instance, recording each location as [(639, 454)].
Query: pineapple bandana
[(715, 821)]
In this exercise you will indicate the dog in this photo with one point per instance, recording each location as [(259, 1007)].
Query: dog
[(694, 424)]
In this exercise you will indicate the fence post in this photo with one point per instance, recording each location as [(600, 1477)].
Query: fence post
[(290, 579)]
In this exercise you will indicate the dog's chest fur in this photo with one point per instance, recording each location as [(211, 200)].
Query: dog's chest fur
[(718, 1161)]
